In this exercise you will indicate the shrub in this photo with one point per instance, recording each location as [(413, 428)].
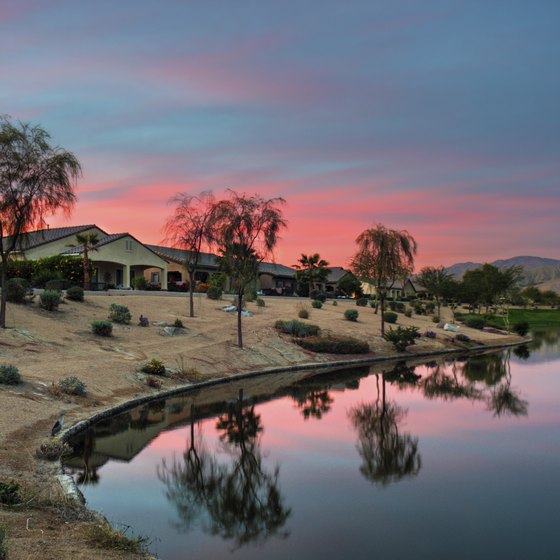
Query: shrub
[(419, 308), (154, 367), (393, 305), (521, 328), (50, 300), (399, 307), (462, 337), (143, 321), (214, 292), (390, 317), (361, 302), (401, 337), (316, 304), (335, 302), (17, 290), (119, 313), (72, 386), (435, 318), (303, 313), (351, 315), (372, 303), (43, 276), (75, 293), (9, 375), (408, 312), (334, 344), (178, 324), (296, 328), (430, 334), (430, 307), (3, 549), (475, 322), (9, 493), (102, 328), (318, 295), (140, 283), (53, 449), (260, 302)]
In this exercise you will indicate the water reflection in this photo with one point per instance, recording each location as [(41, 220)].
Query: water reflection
[(239, 500), (387, 455)]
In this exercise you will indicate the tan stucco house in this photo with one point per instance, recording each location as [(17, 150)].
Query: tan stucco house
[(119, 258)]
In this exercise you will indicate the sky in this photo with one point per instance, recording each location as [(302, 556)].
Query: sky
[(439, 117)]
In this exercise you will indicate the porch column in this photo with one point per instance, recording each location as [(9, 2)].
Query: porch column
[(126, 276), (164, 278)]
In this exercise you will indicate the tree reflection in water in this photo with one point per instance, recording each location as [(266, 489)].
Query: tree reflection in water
[(238, 500), (443, 383), (388, 456), (313, 403)]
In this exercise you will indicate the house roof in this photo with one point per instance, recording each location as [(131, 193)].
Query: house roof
[(207, 260), (33, 239), (336, 273), (276, 270)]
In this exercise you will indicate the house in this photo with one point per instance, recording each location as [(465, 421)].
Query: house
[(272, 279), (117, 261), (336, 273), (395, 290)]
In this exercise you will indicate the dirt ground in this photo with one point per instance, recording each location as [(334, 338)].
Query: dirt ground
[(49, 346)]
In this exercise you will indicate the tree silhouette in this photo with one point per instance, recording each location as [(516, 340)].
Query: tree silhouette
[(311, 269), (313, 403), (88, 242), (387, 455)]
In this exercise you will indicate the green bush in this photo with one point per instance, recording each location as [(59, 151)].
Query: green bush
[(154, 367), (214, 292), (390, 317), (9, 375), (318, 295), (430, 307), (402, 337), (75, 293), (400, 307), (17, 290), (435, 318), (393, 305), (361, 302), (316, 304), (43, 276), (521, 328), (57, 285), (178, 324), (303, 313), (296, 328), (351, 315), (334, 344), (419, 308), (50, 300), (119, 314), (9, 493), (335, 302), (102, 328), (475, 322), (408, 312), (260, 302), (140, 283), (72, 386)]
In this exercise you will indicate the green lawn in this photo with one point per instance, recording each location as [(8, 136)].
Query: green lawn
[(537, 318)]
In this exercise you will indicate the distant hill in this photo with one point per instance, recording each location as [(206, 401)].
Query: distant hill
[(536, 269)]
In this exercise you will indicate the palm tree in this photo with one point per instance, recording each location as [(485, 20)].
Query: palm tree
[(383, 256), (311, 269), (36, 179), (88, 242)]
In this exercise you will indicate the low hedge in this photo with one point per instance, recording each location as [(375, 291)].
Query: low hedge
[(334, 344), (297, 328)]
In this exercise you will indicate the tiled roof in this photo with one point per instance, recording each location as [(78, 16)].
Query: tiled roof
[(34, 239), (102, 241), (336, 273), (276, 269), (207, 260)]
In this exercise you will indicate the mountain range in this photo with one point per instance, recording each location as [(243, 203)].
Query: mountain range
[(536, 270)]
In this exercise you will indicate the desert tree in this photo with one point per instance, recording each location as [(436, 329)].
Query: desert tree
[(246, 230), (383, 256), (36, 180), (88, 242), (436, 281), (190, 228), (310, 270)]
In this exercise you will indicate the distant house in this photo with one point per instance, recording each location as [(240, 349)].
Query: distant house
[(396, 289), (336, 273), (118, 260)]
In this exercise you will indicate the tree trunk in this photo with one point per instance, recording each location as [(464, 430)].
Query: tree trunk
[(382, 302), (85, 266), (191, 297), (239, 309), (3, 299)]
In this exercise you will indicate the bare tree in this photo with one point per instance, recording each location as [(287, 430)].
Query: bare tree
[(190, 229), (383, 256), (246, 229), (36, 179)]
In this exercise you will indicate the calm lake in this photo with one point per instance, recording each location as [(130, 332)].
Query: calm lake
[(449, 459)]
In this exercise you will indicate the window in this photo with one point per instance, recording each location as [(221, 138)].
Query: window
[(154, 278), (128, 245)]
